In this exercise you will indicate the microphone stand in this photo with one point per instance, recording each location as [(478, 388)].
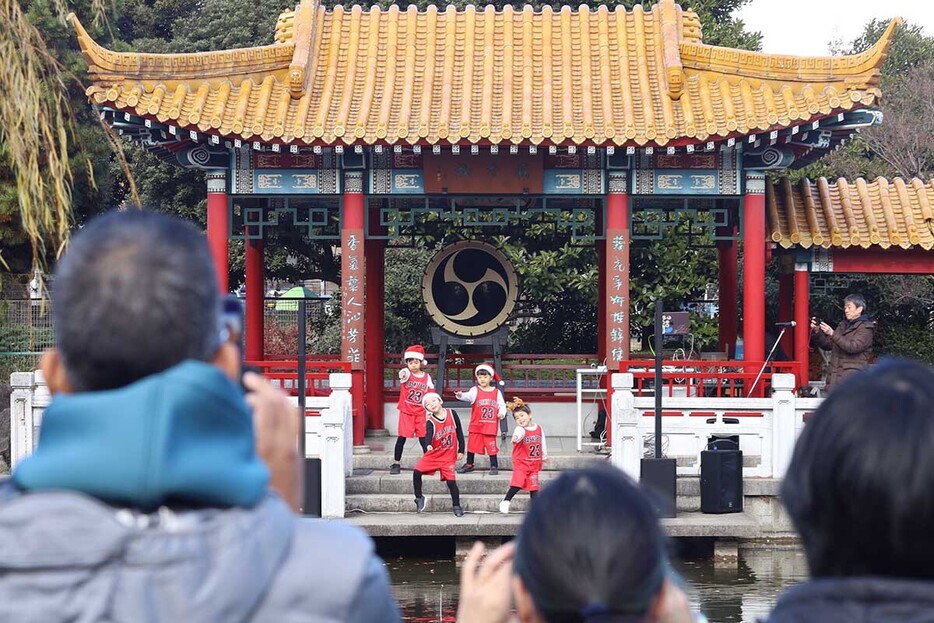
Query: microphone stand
[(767, 360)]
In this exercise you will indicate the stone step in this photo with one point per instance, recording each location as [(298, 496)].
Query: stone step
[(381, 461), (439, 500), (381, 482), (435, 503), (730, 526)]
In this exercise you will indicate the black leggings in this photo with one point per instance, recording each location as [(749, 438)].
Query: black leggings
[(400, 444), (452, 487), (514, 490), (494, 462)]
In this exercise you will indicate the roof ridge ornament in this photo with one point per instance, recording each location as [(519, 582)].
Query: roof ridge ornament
[(304, 32), (671, 27)]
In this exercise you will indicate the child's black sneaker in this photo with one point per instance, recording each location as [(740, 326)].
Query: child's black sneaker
[(494, 470), (420, 505), (394, 469), (466, 468), (458, 511)]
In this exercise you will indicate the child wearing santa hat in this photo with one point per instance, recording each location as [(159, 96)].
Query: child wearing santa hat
[(488, 407), (416, 384), (445, 446)]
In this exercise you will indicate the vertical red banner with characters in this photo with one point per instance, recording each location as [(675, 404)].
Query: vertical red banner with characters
[(616, 295), (353, 280)]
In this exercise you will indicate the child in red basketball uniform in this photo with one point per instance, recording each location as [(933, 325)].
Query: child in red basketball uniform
[(415, 385), (529, 451), (488, 409), (445, 446)]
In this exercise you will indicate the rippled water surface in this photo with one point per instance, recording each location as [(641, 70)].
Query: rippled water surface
[(737, 593)]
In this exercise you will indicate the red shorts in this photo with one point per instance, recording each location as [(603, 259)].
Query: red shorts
[(429, 464), (524, 478), (478, 443), (411, 424)]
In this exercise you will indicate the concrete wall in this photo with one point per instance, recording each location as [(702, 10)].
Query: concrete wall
[(557, 419)]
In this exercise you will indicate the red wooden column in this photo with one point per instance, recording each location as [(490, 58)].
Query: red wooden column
[(255, 292), (353, 294), (615, 296), (218, 225), (375, 301), (729, 291), (601, 303), (754, 269), (786, 309), (803, 320)]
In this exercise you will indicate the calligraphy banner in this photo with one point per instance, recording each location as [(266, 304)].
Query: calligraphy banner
[(616, 296), (352, 297)]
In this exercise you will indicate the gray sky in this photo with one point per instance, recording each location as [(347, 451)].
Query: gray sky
[(806, 27)]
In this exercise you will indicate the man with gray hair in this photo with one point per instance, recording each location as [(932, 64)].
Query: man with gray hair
[(146, 498), (850, 344)]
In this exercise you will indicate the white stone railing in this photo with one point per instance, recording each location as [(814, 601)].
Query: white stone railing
[(767, 427), (327, 437)]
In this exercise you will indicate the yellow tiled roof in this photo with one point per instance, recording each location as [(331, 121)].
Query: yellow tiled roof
[(479, 75), (843, 214)]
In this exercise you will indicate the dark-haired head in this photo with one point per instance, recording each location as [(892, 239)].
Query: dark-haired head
[(860, 486), (134, 295), (590, 549)]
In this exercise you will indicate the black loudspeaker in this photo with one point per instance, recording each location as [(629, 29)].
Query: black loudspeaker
[(659, 477), (311, 505), (721, 481)]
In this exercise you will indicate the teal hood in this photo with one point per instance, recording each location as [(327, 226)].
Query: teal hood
[(184, 436)]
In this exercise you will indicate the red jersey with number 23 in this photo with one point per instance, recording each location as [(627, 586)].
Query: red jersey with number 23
[(413, 389), (484, 414), (527, 452)]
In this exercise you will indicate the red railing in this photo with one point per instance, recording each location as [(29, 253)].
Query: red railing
[(696, 377), (548, 377), (284, 373)]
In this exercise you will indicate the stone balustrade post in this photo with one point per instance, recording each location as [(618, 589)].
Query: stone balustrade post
[(627, 439), (783, 422), (337, 446), (21, 416)]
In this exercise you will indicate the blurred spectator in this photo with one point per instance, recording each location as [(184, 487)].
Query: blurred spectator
[(859, 491), (150, 496), (590, 549)]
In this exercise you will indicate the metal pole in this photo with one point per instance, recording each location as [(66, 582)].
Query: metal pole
[(302, 353), (658, 379)]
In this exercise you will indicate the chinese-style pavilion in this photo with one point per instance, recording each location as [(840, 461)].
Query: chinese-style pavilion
[(390, 117)]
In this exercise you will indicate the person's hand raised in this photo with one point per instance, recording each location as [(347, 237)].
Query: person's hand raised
[(276, 427), (486, 585)]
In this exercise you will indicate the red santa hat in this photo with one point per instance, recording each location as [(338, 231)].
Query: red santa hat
[(414, 352), (488, 368), (431, 395)]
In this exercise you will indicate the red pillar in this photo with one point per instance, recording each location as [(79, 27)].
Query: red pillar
[(218, 225), (601, 303), (754, 268), (729, 291), (375, 314), (615, 296), (255, 291), (786, 309), (353, 295), (803, 320)]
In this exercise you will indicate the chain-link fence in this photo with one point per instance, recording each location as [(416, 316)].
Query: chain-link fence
[(25, 331)]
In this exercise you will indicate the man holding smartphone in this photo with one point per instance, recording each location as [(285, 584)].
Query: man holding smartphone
[(158, 491), (850, 344)]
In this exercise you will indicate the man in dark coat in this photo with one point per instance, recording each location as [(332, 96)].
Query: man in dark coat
[(850, 344)]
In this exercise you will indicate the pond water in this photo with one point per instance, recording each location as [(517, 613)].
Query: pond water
[(738, 593)]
